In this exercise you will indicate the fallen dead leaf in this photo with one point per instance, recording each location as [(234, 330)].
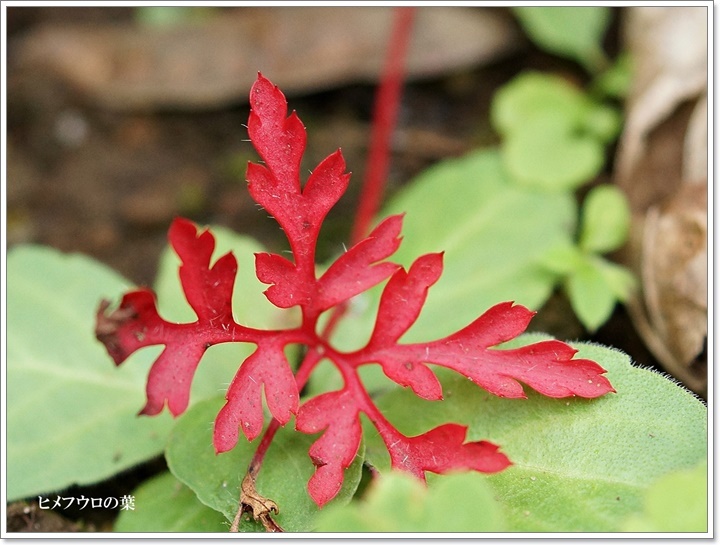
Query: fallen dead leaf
[(662, 166), (213, 63)]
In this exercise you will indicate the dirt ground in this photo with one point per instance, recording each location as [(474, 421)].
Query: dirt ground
[(107, 183)]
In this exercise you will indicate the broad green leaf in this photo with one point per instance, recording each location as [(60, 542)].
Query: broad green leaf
[(397, 502), (541, 158), (579, 465), (676, 502), (163, 504), (574, 32), (533, 94), (283, 478), (71, 415), (604, 219)]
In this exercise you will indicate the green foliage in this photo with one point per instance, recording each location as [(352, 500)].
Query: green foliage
[(574, 32), (163, 504), (216, 478), (554, 135), (604, 220), (578, 465), (397, 502), (554, 138), (592, 283), (594, 287), (71, 415), (676, 502)]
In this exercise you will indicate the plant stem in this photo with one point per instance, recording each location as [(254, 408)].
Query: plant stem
[(385, 115)]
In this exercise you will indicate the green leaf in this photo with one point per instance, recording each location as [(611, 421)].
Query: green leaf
[(603, 122), (564, 259), (676, 502), (573, 32), (71, 415), (554, 135), (397, 502), (541, 158), (604, 219), (163, 504), (595, 287), (533, 94), (592, 299), (579, 465), (283, 478), (619, 279)]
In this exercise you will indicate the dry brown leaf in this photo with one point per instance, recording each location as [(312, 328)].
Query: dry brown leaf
[(214, 63), (260, 507), (662, 166)]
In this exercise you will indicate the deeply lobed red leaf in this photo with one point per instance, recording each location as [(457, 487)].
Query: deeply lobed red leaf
[(442, 450), (337, 413), (267, 367), (548, 367)]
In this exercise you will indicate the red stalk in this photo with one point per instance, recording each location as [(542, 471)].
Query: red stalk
[(385, 113)]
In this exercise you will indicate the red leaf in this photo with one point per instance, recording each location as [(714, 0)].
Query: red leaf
[(266, 366), (324, 187), (288, 287), (280, 141), (442, 450), (546, 366), (338, 446), (357, 270), (403, 297), (208, 290), (136, 323)]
